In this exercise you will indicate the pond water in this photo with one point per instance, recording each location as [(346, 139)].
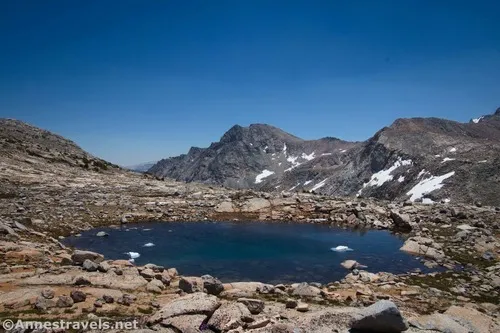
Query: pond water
[(251, 251)]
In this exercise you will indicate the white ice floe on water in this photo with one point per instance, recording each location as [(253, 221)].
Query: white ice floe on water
[(446, 159), (476, 120), (308, 157), (326, 154), (428, 185), (483, 161), (147, 229), (149, 245), (265, 173), (319, 185), (341, 248), (133, 255), (452, 150)]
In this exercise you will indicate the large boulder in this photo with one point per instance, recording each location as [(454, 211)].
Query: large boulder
[(229, 316), (44, 304), (78, 296), (351, 264), (401, 221), (383, 317), (80, 256), (192, 304), (64, 302), (48, 293), (191, 284), (212, 285), (306, 290), (424, 247), (90, 266), (6, 230), (155, 286), (185, 323)]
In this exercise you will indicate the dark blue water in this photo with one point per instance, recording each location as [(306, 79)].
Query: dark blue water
[(251, 251)]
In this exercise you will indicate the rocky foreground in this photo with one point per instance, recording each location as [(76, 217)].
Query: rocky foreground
[(40, 278), (47, 194)]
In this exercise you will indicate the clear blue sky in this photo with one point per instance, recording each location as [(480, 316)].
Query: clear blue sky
[(134, 81)]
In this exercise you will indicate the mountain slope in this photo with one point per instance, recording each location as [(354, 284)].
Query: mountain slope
[(421, 159), (245, 156), (25, 145)]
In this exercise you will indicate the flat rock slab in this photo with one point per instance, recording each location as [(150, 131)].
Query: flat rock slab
[(192, 304), (246, 286), (438, 322), (105, 280), (255, 205), (473, 320), (5, 278), (20, 297)]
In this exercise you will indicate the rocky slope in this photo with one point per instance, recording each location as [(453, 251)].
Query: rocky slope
[(421, 159)]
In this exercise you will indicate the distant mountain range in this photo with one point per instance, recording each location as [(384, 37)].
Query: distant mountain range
[(418, 159), (143, 167)]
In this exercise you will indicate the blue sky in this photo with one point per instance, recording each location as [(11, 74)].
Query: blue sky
[(134, 81)]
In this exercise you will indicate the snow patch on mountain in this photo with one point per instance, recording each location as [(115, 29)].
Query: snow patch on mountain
[(308, 157), (428, 185), (477, 120), (265, 173), (319, 185), (379, 178)]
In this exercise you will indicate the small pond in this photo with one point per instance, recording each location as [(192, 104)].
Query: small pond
[(251, 251)]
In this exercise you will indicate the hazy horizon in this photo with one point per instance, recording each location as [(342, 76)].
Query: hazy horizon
[(137, 82)]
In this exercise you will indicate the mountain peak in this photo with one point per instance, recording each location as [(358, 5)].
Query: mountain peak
[(257, 133)]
